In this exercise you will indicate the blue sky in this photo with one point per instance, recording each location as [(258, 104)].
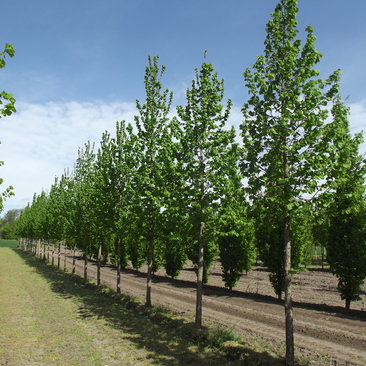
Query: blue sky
[(79, 67)]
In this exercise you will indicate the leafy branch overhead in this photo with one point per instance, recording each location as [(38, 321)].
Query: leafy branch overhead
[(7, 100)]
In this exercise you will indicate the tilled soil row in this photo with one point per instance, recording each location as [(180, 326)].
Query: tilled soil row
[(320, 329)]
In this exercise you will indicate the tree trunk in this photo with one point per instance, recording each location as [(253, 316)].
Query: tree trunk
[(118, 265), (199, 293), (44, 251), (290, 348), (53, 253), (65, 257), (85, 268), (149, 271), (98, 262), (59, 254), (48, 251), (348, 304), (73, 260)]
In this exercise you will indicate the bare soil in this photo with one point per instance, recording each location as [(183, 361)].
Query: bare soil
[(322, 326)]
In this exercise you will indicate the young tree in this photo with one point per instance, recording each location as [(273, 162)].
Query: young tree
[(346, 238), (236, 242), (79, 187), (236, 229), (204, 157), (121, 177), (153, 140), (283, 130)]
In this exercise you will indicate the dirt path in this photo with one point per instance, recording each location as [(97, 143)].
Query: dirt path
[(319, 326)]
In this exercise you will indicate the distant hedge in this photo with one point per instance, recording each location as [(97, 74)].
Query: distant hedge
[(8, 243)]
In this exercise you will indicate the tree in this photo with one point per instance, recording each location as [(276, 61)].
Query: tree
[(346, 238), (153, 140), (7, 107), (204, 157), (283, 130), (121, 178), (8, 224), (79, 189), (236, 229), (236, 243)]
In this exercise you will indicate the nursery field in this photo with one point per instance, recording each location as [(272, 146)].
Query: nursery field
[(50, 317), (321, 323)]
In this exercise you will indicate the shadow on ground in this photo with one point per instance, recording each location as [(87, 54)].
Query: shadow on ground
[(170, 339)]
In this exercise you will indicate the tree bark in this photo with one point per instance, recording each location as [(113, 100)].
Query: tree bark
[(52, 253), (85, 268), (98, 262), (59, 254), (149, 271), (199, 293), (290, 348), (348, 304), (118, 265), (65, 252), (73, 260)]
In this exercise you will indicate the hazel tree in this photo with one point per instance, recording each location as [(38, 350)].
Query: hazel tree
[(283, 131)]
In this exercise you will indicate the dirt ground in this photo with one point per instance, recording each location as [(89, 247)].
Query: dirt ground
[(322, 326)]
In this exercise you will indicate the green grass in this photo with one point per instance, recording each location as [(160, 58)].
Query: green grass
[(53, 318), (5, 243)]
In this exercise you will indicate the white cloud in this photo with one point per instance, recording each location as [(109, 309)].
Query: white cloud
[(41, 140), (358, 120)]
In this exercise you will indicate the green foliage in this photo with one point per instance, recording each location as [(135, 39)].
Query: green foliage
[(236, 229), (346, 238), (79, 185), (8, 224), (270, 242), (203, 160), (284, 129), (152, 158), (137, 251), (175, 240), (7, 107), (286, 148), (204, 155), (7, 101), (175, 255), (218, 335)]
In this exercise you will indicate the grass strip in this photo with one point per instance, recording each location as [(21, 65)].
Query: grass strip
[(57, 319)]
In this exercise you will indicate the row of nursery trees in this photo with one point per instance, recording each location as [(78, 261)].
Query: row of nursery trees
[(163, 190)]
